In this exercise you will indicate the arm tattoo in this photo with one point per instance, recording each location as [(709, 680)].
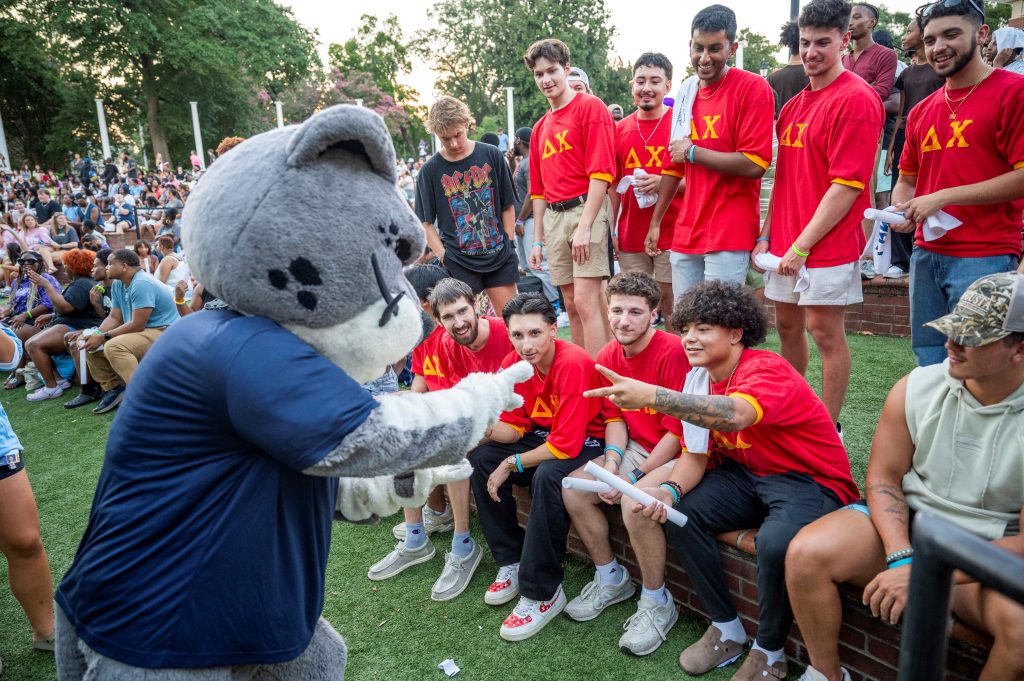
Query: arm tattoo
[(898, 502), (715, 412)]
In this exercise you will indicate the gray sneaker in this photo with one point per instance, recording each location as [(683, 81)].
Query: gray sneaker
[(595, 598), (399, 560), (648, 627), (432, 522), (456, 575)]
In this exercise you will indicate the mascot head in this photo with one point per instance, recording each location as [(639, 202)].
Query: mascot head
[(305, 225)]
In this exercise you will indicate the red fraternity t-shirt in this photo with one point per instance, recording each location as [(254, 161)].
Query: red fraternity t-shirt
[(643, 144), (723, 212), (825, 136), (571, 146), (985, 140), (462, 361), (430, 362), (793, 432), (663, 362), (555, 402)]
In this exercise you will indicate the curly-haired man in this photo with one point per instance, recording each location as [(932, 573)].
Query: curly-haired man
[(780, 465)]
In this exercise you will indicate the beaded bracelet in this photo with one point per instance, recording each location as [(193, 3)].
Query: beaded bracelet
[(617, 450), (898, 555), (519, 464), (675, 495), (901, 563)]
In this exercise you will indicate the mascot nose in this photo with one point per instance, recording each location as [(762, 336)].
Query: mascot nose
[(389, 298)]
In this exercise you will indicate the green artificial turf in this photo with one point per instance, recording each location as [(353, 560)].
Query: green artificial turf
[(393, 630)]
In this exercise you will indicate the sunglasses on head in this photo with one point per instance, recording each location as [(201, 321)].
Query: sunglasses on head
[(925, 10)]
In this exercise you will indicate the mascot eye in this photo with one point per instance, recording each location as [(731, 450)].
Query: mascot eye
[(403, 249)]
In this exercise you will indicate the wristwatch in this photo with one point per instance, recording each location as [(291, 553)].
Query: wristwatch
[(510, 463), (106, 335), (637, 474)]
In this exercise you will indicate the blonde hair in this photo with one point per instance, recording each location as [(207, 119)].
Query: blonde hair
[(447, 113)]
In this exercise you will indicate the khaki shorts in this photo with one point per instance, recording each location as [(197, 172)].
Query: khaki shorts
[(659, 265), (558, 232), (636, 455), (838, 285)]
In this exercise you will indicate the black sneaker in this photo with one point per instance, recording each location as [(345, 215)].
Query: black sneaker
[(111, 399), (86, 397)]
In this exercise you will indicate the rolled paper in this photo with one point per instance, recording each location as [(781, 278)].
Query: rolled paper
[(82, 366), (884, 216), (584, 485), (635, 493)]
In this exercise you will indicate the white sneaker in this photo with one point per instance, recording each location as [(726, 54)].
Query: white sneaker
[(432, 522), (63, 384), (44, 393), (456, 575), (505, 586), (595, 598), (867, 269), (813, 674), (895, 272), (563, 320), (648, 627), (530, 616)]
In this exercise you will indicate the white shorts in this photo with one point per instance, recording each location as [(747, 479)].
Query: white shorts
[(838, 285)]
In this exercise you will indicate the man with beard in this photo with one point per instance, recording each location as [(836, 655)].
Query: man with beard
[(828, 135), (646, 450), (463, 344), (728, 150), (964, 155), (875, 63), (641, 142)]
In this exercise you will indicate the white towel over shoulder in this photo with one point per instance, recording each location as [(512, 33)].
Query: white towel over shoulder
[(698, 382), (682, 109)]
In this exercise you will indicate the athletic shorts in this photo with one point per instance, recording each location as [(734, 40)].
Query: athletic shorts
[(479, 281), (6, 467), (658, 266), (559, 229), (838, 285)]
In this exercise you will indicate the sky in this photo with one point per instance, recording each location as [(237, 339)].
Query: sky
[(661, 26)]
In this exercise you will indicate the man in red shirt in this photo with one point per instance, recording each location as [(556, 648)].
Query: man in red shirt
[(780, 465), (964, 155), (641, 143), (875, 63), (572, 162), (723, 158), (460, 345), (828, 135), (645, 449), (555, 432)]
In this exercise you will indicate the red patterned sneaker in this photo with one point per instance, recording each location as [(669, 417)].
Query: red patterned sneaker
[(531, 616), (505, 586)]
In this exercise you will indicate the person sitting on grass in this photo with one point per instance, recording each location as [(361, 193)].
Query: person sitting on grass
[(28, 302), (555, 432), (468, 345), (72, 311), (949, 441), (645, 452), (20, 541), (142, 310), (99, 298), (782, 466)]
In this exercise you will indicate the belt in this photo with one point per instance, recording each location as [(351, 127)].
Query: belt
[(568, 204)]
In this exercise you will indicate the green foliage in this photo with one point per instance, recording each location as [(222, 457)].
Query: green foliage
[(758, 52), (997, 14), (477, 47), (381, 52), (895, 23)]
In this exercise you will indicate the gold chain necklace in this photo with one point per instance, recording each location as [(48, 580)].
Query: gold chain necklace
[(716, 89), (960, 102), (657, 125)]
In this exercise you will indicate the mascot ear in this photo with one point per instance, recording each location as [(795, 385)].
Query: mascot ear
[(355, 129)]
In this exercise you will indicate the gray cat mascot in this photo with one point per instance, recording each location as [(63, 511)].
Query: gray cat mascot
[(245, 429)]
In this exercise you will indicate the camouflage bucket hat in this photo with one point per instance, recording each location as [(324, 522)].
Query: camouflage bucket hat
[(990, 309)]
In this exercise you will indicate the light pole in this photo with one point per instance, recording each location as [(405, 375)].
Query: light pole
[(103, 129), (764, 69), (200, 152), (510, 113), (5, 161), (280, 115)]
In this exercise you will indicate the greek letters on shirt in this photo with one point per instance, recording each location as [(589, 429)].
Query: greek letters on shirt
[(793, 138), (653, 154), (954, 138), (557, 144), (705, 128)]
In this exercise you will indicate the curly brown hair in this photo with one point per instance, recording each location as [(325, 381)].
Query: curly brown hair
[(723, 304), (635, 283), (228, 143), (78, 261)]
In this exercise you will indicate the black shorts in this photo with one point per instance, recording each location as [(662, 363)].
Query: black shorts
[(6, 470), (478, 281)]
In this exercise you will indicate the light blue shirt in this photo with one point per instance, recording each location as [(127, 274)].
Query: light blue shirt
[(8, 440), (145, 290)]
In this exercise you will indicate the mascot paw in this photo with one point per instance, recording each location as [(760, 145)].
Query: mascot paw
[(517, 373), (360, 499)]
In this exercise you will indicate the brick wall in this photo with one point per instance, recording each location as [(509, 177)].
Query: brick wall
[(884, 312), (869, 648)]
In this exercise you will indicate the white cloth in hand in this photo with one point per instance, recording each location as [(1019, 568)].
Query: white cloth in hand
[(937, 225), (643, 200), (770, 263), (682, 108)]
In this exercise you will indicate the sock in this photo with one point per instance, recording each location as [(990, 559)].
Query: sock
[(610, 574), (659, 595), (774, 656), (731, 630), (415, 535), (462, 544)]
